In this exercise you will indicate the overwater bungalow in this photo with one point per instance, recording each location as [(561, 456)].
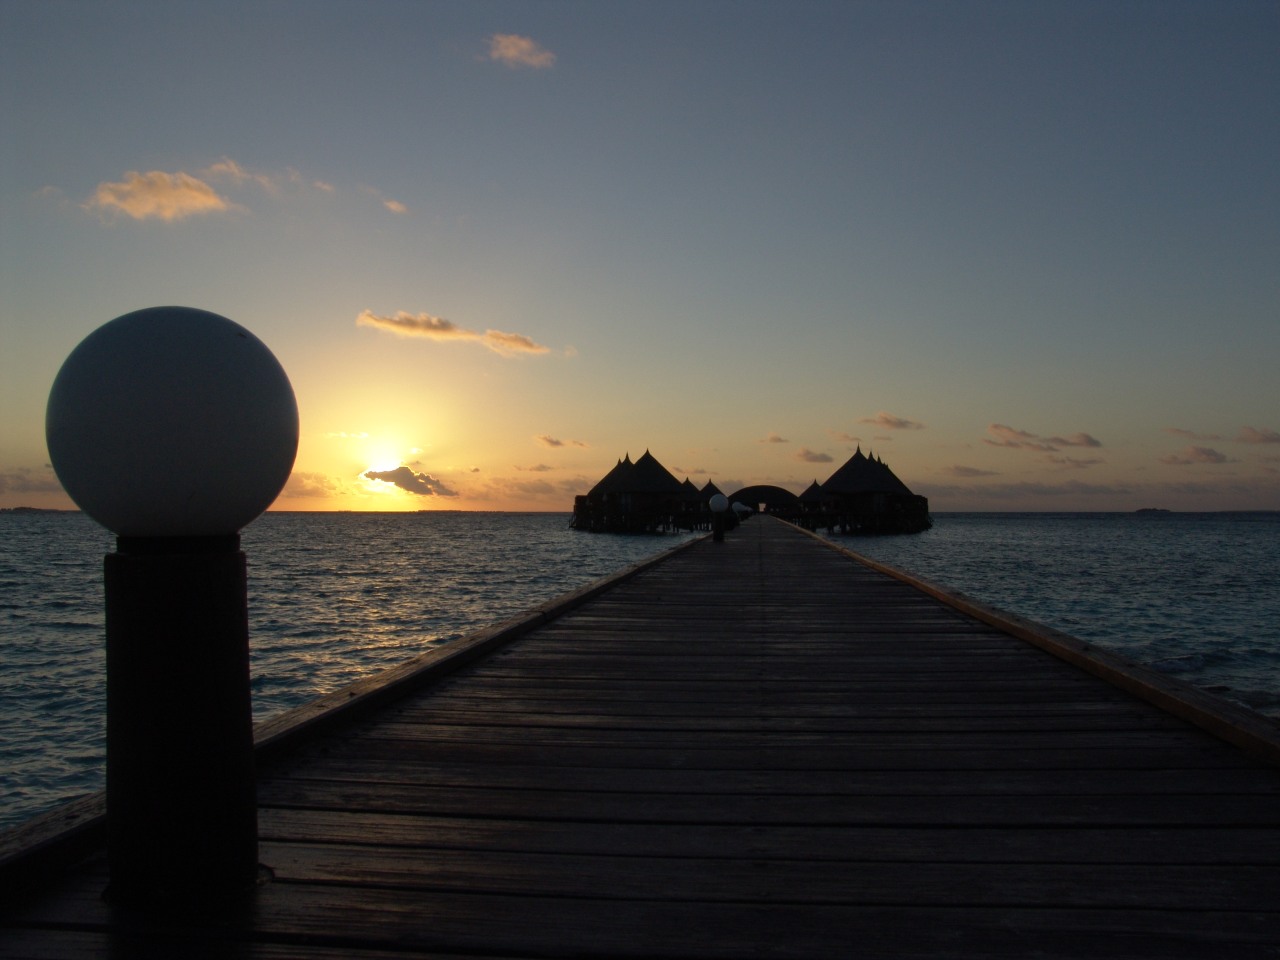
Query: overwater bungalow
[(865, 497), (639, 497), (862, 497)]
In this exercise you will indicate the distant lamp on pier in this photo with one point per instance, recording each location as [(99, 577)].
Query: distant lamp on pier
[(175, 428), (718, 503)]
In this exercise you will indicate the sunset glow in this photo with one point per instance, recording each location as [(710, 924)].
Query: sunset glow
[(1026, 253)]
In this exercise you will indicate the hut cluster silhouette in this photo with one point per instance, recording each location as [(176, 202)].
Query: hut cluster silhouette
[(862, 497)]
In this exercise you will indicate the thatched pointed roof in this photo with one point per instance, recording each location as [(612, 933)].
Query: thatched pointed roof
[(709, 491), (646, 475), (812, 493), (616, 480), (862, 474), (649, 476)]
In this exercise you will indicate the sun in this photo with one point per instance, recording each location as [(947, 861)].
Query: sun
[(381, 455)]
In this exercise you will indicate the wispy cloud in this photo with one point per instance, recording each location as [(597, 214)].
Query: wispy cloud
[(1071, 463), (1253, 435), (961, 471), (691, 472), (420, 484), (805, 455), (310, 485), (157, 195), (1023, 491), (1006, 436), (1246, 435), (437, 328), (516, 51), (773, 438), (228, 169), (171, 196), (1190, 434), (26, 480), (510, 343), (551, 492), (1195, 455), (549, 441), (888, 421), (395, 206), (844, 437), (536, 468)]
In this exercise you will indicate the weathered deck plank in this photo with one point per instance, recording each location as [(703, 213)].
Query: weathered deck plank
[(755, 748)]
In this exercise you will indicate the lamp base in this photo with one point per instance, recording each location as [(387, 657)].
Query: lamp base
[(181, 789)]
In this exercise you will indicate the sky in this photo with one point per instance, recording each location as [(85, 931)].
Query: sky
[(1026, 253)]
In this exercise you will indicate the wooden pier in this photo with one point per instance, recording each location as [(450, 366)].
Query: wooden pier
[(756, 748)]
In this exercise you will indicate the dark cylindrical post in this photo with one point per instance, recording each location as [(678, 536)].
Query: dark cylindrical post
[(181, 804)]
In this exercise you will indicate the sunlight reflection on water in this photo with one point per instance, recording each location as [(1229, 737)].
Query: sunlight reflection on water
[(332, 598)]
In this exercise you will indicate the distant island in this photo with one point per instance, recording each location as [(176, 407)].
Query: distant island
[(35, 510), (1153, 510)]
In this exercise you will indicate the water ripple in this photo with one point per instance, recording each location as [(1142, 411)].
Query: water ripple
[(332, 598)]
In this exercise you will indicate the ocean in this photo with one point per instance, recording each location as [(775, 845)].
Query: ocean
[(336, 596), (1195, 595)]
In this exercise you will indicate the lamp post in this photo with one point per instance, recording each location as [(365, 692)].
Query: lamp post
[(174, 428), (718, 503)]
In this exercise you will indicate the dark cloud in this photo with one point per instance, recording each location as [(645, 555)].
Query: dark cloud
[(1006, 436), (774, 438), (419, 484), (549, 441), (1195, 455), (1252, 435), (806, 455), (1076, 440), (959, 471), (889, 422), (536, 468), (1074, 464)]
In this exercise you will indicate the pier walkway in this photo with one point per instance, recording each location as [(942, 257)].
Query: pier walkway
[(758, 748)]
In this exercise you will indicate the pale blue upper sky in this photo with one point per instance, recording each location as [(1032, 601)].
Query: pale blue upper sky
[(1029, 253)]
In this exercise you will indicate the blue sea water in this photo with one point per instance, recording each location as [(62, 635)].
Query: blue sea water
[(335, 597), (1196, 595)]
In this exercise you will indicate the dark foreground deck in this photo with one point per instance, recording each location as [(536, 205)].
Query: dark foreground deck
[(753, 749)]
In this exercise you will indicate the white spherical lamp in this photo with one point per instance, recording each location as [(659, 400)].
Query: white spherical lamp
[(719, 503), (172, 422)]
